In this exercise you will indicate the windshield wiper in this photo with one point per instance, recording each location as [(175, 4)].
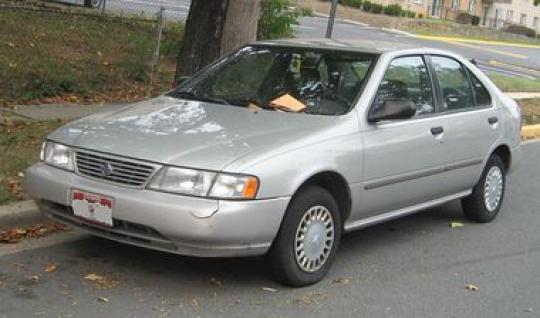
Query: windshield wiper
[(194, 96), (245, 102)]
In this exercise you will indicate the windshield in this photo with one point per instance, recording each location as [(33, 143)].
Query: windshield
[(311, 81)]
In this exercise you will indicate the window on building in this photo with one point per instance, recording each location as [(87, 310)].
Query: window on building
[(472, 7), (535, 22), (523, 19), (510, 16), (455, 5)]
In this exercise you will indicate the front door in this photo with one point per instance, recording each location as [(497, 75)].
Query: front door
[(404, 159)]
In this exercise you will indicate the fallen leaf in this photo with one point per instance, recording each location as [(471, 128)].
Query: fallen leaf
[(51, 268), (309, 299), (94, 277), (472, 287), (340, 281), (456, 224), (73, 99), (101, 281), (34, 231), (215, 282), (269, 289), (103, 299)]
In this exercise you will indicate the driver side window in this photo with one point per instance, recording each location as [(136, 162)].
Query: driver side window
[(407, 78)]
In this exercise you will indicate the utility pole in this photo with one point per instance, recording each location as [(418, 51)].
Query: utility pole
[(331, 19)]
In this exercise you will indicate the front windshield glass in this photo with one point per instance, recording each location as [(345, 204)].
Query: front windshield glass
[(311, 81)]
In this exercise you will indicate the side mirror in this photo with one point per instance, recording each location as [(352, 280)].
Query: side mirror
[(392, 109)]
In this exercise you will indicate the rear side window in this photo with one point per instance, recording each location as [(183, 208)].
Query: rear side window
[(456, 89), (481, 94)]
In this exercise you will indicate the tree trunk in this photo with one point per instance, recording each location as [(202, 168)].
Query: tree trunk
[(240, 25), (213, 28)]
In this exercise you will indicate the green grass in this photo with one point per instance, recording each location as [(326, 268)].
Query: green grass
[(53, 53), (531, 110), (434, 27), (20, 143), (515, 84)]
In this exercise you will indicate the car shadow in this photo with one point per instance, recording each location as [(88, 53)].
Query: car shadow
[(138, 266)]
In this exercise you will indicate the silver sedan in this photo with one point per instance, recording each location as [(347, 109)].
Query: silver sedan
[(280, 147)]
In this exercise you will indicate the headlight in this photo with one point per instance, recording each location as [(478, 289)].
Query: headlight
[(57, 155), (183, 181), (235, 187), (204, 183)]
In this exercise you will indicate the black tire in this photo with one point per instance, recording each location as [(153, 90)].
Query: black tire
[(474, 206), (91, 3), (281, 257)]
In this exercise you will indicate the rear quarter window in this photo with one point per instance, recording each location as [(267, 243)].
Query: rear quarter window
[(481, 94)]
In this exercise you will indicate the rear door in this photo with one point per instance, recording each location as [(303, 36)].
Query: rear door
[(472, 122)]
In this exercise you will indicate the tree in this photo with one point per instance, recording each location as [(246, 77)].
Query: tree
[(277, 19), (214, 28)]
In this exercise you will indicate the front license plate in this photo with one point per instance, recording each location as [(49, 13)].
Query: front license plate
[(92, 207)]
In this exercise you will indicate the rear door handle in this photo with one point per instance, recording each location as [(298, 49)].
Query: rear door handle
[(493, 120), (437, 130)]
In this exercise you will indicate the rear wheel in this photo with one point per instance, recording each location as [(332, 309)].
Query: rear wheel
[(92, 3), (486, 200), (306, 244)]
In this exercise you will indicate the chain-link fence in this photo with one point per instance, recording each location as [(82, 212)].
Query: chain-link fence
[(119, 50)]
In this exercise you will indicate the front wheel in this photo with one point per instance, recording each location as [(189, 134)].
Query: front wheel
[(486, 200), (306, 243)]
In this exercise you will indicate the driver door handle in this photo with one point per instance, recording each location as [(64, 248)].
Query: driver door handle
[(437, 130), (493, 120)]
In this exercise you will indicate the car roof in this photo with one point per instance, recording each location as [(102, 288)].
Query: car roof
[(365, 46)]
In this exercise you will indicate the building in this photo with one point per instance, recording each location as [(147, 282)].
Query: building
[(450, 9), (500, 13)]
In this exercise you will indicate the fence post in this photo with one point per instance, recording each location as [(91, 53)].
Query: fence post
[(155, 59)]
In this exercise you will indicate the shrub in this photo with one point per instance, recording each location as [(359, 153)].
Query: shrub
[(409, 14), (464, 18), (393, 10), (352, 3), (521, 30), (377, 8), (475, 20), (367, 6), (420, 16), (277, 20)]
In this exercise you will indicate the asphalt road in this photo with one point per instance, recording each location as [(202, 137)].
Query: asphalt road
[(510, 60), (417, 266)]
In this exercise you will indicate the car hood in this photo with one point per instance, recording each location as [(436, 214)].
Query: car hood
[(188, 133)]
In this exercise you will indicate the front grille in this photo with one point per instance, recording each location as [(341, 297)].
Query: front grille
[(115, 170)]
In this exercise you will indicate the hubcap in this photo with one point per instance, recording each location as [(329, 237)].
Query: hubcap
[(493, 188), (314, 239)]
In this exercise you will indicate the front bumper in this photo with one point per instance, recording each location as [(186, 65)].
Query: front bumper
[(173, 223)]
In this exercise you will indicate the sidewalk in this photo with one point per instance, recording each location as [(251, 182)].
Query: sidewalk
[(61, 111), (74, 111)]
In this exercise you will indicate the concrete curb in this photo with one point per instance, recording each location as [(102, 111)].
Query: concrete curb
[(19, 214), (523, 95), (530, 132)]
